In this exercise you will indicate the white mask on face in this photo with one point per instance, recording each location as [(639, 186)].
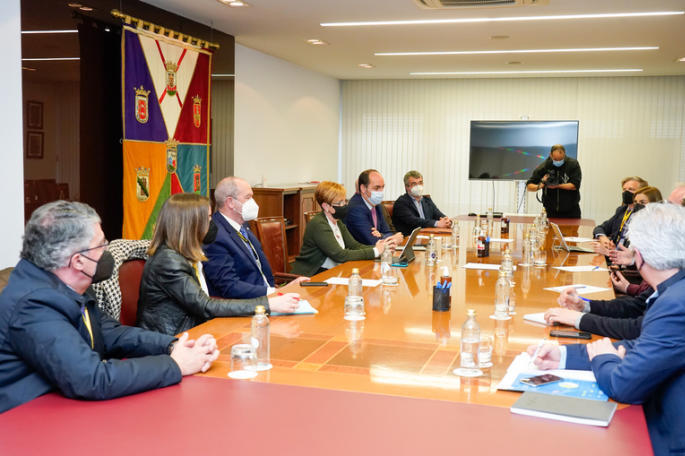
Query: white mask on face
[(250, 210), (376, 198), (416, 191)]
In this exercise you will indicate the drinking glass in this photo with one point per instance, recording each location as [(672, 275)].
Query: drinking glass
[(540, 258), (354, 308), (485, 351), (243, 361)]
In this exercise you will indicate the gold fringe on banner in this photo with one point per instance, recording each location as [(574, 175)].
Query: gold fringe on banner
[(149, 26)]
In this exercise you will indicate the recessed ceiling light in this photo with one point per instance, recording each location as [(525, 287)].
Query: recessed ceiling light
[(86, 8), (521, 51), (499, 37), (74, 5), (234, 3), (447, 73), (368, 66), (317, 42), (466, 20)]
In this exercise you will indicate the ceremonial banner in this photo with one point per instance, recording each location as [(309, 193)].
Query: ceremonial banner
[(165, 99)]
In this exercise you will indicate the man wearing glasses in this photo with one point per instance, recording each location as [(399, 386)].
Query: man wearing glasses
[(53, 336)]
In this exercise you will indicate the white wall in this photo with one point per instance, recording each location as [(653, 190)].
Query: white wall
[(11, 132), (628, 126), (286, 121)]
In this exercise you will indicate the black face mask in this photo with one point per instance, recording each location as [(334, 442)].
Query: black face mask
[(104, 268), (638, 206), (340, 211), (627, 196), (211, 233)]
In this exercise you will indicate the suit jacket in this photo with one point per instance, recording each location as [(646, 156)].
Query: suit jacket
[(319, 243), (610, 228), (45, 345), (360, 222), (619, 318), (653, 370), (406, 216), (232, 271)]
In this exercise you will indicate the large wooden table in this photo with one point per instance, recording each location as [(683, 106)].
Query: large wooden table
[(339, 387)]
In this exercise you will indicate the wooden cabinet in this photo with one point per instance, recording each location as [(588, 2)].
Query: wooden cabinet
[(290, 201)]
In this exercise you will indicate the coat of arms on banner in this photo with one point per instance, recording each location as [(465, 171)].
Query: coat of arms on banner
[(171, 155), (142, 183), (171, 68), (197, 179), (141, 107), (197, 111)]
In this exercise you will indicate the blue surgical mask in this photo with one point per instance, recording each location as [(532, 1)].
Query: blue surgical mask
[(376, 198), (557, 163)]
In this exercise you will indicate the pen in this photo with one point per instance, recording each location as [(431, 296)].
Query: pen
[(595, 268), (584, 299), (578, 287), (537, 350)]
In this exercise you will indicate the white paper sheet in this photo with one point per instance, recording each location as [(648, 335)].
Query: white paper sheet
[(536, 318), (577, 239), (304, 308), (585, 268), (490, 267), (581, 289), (522, 365), (346, 281), (501, 240)]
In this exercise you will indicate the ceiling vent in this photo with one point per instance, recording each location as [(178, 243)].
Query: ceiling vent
[(453, 4)]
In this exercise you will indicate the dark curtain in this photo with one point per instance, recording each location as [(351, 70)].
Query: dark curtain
[(101, 130)]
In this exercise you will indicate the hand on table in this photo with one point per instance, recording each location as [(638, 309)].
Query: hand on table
[(193, 356), (285, 303), (563, 316), (604, 347), (547, 358), (605, 242), (569, 299), (444, 222), (381, 245)]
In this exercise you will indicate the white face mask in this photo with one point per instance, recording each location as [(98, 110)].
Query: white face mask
[(250, 210), (376, 198), (416, 191)]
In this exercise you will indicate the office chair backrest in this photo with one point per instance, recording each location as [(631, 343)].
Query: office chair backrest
[(130, 275)]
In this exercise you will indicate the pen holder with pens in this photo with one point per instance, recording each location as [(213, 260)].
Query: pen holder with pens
[(442, 300)]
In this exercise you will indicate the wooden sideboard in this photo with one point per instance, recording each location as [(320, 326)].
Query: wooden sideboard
[(290, 201)]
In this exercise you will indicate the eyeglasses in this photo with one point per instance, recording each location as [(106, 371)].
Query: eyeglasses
[(105, 244)]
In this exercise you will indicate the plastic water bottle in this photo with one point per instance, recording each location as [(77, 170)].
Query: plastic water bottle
[(261, 339), (470, 344), (354, 287), (454, 240), (502, 291), (387, 275)]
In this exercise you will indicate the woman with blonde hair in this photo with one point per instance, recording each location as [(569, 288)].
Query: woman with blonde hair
[(327, 242), (173, 291)]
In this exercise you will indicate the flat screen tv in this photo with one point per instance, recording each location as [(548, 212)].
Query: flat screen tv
[(511, 150)]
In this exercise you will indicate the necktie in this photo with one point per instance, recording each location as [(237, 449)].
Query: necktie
[(374, 216), (243, 236)]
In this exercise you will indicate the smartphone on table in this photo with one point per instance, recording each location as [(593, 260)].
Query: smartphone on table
[(540, 380), (570, 334)]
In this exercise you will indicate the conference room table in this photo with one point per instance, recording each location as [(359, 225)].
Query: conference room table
[(383, 385)]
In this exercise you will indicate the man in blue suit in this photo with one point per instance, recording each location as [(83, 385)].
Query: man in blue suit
[(236, 266), (364, 217), (649, 370)]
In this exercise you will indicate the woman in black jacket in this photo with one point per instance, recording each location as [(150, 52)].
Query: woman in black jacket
[(173, 292)]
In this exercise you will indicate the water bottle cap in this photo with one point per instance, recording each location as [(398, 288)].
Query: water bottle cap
[(471, 312), (355, 270), (259, 310)]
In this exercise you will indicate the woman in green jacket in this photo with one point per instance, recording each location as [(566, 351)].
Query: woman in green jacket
[(326, 242)]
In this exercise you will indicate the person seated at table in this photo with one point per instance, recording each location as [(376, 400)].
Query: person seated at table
[(327, 242), (365, 219), (619, 318), (607, 233), (53, 335), (649, 370), (173, 291), (413, 209)]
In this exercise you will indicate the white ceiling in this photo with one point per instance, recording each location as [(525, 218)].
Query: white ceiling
[(281, 27)]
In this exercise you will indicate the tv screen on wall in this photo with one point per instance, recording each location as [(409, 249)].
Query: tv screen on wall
[(511, 150)]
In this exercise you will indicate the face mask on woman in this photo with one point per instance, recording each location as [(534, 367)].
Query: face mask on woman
[(340, 212)]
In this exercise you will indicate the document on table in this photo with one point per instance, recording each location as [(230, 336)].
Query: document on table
[(581, 289), (490, 267), (536, 318), (304, 308), (346, 281), (501, 240), (584, 268), (577, 239)]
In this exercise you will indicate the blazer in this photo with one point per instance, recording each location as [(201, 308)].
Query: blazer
[(619, 318), (231, 270), (319, 243), (172, 301), (406, 216), (610, 228), (652, 372), (45, 345), (359, 221)]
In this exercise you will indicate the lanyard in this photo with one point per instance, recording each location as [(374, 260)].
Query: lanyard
[(626, 216), (86, 320)]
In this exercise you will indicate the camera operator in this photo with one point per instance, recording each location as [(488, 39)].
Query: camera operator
[(559, 178)]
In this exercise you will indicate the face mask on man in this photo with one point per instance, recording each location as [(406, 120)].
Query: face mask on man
[(211, 233), (104, 268), (340, 212), (250, 210), (376, 198), (558, 163), (627, 197), (416, 191)]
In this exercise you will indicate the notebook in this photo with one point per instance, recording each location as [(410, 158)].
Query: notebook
[(562, 408)]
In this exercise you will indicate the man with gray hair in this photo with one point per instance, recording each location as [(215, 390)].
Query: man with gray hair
[(52, 334), (236, 266), (413, 209), (649, 370)]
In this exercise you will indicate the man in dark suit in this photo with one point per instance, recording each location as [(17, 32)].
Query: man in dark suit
[(413, 209), (609, 232), (236, 266), (364, 218), (649, 370)]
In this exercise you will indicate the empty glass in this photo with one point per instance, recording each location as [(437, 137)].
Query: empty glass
[(485, 351), (540, 258), (354, 308), (243, 361)]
